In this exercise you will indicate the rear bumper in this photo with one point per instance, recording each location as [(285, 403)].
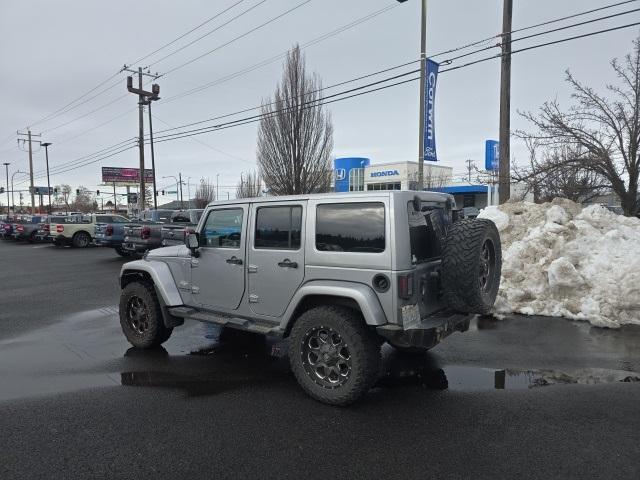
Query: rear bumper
[(40, 237), (138, 247), (428, 333), (171, 242), (103, 242)]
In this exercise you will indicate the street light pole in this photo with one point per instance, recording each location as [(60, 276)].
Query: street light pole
[(46, 153), (6, 166), (217, 185), (176, 179), (153, 160)]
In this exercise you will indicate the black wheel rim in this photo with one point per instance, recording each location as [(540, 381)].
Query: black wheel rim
[(487, 266), (82, 240), (326, 357), (137, 315)]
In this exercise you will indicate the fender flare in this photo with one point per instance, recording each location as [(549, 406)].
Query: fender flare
[(160, 276), (361, 293)]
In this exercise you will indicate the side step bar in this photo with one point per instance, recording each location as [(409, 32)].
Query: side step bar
[(263, 328)]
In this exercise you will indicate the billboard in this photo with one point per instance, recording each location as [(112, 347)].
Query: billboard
[(491, 155), (429, 140), (125, 176)]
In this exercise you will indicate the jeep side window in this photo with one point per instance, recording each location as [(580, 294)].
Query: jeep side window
[(223, 228), (278, 227), (350, 227)]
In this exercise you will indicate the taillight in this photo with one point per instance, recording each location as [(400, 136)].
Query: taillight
[(405, 286), (109, 230), (145, 233), (59, 228), (20, 228), (47, 227)]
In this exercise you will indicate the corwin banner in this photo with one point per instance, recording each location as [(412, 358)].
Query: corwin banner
[(430, 81)]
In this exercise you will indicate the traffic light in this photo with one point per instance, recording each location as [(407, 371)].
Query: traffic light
[(1, 189), (55, 190), (97, 192), (162, 192), (77, 191)]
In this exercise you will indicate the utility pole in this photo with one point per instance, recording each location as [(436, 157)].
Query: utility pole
[(31, 189), (144, 97), (217, 186), (504, 178), (6, 167), (470, 168), (153, 160), (181, 198), (46, 146)]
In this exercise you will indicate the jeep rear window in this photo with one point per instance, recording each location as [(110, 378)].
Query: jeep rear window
[(426, 232), (278, 227), (350, 227)]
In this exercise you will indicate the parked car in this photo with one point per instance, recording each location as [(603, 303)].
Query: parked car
[(111, 233), (182, 222), (146, 234), (26, 228), (77, 231), (335, 275)]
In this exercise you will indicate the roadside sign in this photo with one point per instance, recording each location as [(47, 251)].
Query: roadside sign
[(491, 155), (41, 190), (429, 139)]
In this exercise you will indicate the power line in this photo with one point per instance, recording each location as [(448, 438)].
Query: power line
[(280, 56), (208, 20), (323, 101), (248, 32), (209, 32), (445, 62)]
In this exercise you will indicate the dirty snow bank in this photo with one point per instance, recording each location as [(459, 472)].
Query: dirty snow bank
[(562, 260)]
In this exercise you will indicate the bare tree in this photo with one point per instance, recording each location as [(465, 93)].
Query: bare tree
[(606, 129), (295, 137), (250, 185), (83, 202), (557, 171), (205, 193), (62, 194)]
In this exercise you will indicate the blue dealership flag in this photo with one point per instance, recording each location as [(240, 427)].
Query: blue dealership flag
[(492, 155), (430, 81)]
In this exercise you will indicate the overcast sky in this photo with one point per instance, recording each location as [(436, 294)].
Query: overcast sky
[(51, 52)]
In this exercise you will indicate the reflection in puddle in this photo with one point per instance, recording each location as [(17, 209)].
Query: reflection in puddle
[(88, 350)]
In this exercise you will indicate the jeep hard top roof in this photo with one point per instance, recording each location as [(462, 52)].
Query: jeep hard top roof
[(399, 195)]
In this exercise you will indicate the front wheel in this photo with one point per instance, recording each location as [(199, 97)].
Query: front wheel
[(81, 240), (141, 317), (333, 354)]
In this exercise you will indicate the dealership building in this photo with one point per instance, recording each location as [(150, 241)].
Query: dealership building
[(355, 174)]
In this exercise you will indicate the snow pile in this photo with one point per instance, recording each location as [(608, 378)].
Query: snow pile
[(559, 259)]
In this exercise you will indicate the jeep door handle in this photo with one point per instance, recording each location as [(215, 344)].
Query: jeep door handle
[(234, 260), (286, 263)]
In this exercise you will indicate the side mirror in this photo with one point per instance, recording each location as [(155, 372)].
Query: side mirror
[(193, 242)]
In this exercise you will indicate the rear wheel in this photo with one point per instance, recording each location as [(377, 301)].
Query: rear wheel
[(333, 354), (141, 317), (81, 240), (471, 266), (32, 237), (121, 251)]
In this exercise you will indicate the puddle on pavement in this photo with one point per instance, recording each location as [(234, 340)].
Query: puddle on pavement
[(88, 350)]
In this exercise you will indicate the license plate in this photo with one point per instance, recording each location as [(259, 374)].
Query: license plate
[(410, 316)]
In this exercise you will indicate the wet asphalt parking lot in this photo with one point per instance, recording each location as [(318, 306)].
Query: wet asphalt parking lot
[(522, 397)]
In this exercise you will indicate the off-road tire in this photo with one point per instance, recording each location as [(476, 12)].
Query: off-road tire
[(122, 252), (363, 346), (462, 266), (154, 332), (32, 237), (81, 240)]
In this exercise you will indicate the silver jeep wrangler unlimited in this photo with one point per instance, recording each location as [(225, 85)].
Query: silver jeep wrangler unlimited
[(336, 275)]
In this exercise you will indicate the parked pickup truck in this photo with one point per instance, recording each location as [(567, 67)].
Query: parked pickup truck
[(6, 226), (111, 234), (44, 228), (147, 233), (26, 228), (77, 231), (182, 223)]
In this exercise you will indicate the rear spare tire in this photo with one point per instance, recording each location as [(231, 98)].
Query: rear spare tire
[(471, 265)]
